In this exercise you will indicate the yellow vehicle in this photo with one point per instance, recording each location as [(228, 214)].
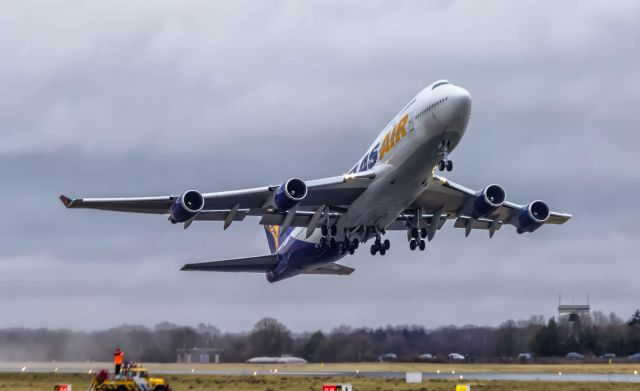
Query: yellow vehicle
[(131, 379)]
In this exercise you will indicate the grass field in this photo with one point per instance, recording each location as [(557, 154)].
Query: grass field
[(41, 381), (352, 367)]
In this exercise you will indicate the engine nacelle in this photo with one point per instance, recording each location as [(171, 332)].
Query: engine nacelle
[(533, 216), (488, 200), (290, 194), (186, 207)]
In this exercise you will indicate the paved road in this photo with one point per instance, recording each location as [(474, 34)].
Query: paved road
[(573, 377)]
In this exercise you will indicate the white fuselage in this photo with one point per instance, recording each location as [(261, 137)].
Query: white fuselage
[(404, 163)]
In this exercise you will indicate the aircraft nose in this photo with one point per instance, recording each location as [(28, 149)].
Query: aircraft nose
[(459, 105)]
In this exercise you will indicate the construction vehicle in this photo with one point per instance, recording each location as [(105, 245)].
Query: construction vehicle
[(132, 378)]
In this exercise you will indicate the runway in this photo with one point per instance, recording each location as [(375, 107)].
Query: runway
[(497, 376)]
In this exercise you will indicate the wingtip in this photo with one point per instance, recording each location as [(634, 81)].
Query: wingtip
[(66, 201)]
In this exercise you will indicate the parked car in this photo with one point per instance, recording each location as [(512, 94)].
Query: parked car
[(635, 357), (575, 356), (426, 357), (525, 357), (387, 357), (609, 356), (456, 357)]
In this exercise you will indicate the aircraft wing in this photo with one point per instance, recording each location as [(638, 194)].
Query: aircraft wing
[(443, 199), (336, 191), (157, 205), (331, 268), (259, 264), (328, 196)]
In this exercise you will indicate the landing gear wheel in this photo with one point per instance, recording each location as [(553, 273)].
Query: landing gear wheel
[(422, 245), (387, 244), (449, 165), (423, 233), (442, 165), (355, 243), (352, 250), (414, 232), (374, 249), (412, 245), (323, 242), (382, 251), (334, 229), (332, 242), (324, 230), (346, 245)]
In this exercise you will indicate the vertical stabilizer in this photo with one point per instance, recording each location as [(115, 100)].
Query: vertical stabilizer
[(276, 237)]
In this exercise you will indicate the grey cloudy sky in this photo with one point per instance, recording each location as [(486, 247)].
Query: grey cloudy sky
[(150, 98)]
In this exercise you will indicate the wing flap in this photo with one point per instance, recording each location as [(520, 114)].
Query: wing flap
[(259, 264), (462, 222), (220, 215), (402, 222)]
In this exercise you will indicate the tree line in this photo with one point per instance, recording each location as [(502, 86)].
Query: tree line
[(591, 335)]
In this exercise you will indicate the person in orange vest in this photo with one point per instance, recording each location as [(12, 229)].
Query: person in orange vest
[(118, 356)]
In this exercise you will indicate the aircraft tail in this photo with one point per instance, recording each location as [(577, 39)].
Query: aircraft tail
[(275, 236)]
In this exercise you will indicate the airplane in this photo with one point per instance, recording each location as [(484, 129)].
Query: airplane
[(310, 225)]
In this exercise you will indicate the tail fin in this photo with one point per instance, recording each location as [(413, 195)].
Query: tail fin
[(275, 236)]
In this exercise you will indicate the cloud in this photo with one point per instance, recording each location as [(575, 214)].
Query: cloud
[(125, 99)]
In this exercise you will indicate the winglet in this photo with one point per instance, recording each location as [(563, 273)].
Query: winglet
[(66, 201)]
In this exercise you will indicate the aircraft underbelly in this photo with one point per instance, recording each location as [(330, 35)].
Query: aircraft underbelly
[(396, 190)]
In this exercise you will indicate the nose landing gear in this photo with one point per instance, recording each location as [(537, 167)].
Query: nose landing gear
[(445, 163)]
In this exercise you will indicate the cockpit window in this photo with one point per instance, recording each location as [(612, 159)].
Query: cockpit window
[(440, 83)]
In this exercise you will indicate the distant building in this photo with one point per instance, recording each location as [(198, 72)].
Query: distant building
[(573, 313), (198, 355)]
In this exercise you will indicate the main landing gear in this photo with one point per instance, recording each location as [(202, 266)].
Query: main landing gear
[(328, 240), (350, 245), (416, 238), (380, 246), (328, 236), (445, 163)]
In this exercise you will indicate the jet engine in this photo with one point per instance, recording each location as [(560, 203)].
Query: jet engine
[(186, 207), (488, 200), (533, 216), (290, 194)]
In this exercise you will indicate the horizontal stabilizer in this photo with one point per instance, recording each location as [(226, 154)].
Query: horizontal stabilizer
[(259, 264), (331, 268)]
